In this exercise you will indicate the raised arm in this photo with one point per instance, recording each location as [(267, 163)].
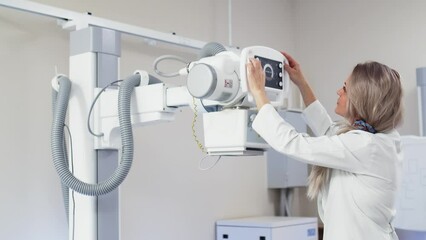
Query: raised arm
[(297, 77), (315, 115)]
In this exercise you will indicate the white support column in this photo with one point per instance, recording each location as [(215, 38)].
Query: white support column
[(94, 62), (83, 209)]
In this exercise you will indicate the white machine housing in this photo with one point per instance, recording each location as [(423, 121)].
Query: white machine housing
[(221, 80), (223, 77), (229, 132), (268, 228), (277, 79), (215, 78)]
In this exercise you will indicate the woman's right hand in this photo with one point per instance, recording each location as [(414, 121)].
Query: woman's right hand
[(296, 76), (294, 71)]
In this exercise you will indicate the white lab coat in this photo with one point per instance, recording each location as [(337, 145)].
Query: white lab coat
[(358, 203)]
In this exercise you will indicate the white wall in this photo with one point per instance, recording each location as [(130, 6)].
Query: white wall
[(332, 36), (165, 195)]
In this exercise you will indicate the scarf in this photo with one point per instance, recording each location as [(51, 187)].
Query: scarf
[(363, 125)]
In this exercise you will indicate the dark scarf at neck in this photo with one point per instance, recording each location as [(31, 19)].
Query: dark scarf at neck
[(363, 125)]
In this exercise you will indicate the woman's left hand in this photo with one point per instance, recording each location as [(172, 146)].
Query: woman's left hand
[(255, 77), (256, 82)]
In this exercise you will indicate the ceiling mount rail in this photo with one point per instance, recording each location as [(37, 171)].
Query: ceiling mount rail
[(71, 19)]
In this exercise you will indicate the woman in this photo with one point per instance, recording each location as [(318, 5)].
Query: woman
[(357, 163)]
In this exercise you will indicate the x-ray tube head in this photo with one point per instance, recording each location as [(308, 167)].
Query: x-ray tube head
[(223, 77), (214, 78)]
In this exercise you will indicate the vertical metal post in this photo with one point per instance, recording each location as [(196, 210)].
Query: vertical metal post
[(421, 84), (94, 62)]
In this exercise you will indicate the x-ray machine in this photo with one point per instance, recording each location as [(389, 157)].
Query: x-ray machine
[(216, 86)]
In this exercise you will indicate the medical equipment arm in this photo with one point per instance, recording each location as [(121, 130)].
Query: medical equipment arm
[(216, 87)]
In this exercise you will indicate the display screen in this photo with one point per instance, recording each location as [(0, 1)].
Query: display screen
[(273, 71)]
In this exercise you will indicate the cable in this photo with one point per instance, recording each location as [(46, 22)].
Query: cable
[(93, 104), (199, 144), (65, 189), (72, 171), (58, 141), (172, 57), (283, 202), (194, 120), (286, 195), (126, 134), (211, 49), (208, 168), (289, 192), (230, 22)]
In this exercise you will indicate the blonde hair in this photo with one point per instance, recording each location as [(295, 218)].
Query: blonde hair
[(374, 94)]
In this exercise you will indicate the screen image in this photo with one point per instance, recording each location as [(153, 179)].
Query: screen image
[(273, 72)]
